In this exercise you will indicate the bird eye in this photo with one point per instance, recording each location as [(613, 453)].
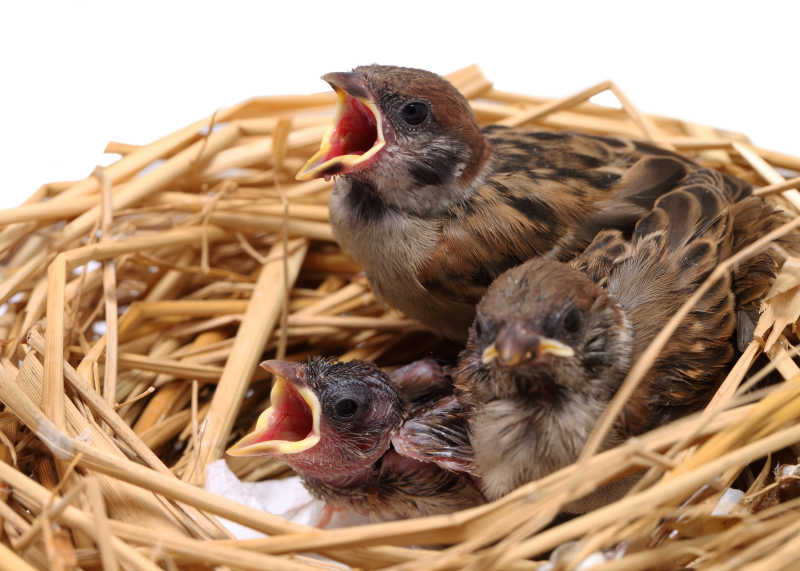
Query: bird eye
[(414, 113), (346, 408), (346, 402), (572, 320)]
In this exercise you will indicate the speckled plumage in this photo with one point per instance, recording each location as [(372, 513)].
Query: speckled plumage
[(533, 417), (447, 206)]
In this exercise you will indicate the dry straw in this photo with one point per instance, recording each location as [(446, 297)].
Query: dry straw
[(139, 301)]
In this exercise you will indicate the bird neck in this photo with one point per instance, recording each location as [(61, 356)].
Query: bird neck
[(337, 476), (338, 462), (426, 186), (481, 152)]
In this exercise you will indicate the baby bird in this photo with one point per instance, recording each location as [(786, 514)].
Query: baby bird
[(385, 447), (435, 208), (552, 342)]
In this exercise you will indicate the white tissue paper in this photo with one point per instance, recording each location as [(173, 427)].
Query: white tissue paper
[(562, 555), (286, 498), (727, 501)]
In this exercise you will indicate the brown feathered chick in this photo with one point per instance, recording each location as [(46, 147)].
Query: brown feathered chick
[(552, 342), (382, 446), (435, 208)]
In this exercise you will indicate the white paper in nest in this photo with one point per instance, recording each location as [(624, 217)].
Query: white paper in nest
[(727, 502), (286, 498), (563, 553)]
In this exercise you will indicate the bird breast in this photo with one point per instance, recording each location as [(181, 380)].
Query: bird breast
[(516, 441), (392, 247)]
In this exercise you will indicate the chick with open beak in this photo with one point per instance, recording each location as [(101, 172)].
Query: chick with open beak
[(356, 134), (434, 207), (385, 447), (552, 342)]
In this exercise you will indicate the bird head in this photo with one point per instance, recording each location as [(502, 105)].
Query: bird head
[(398, 128), (549, 326), (326, 419)]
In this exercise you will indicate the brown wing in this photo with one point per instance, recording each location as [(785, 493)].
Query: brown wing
[(608, 249), (752, 278), (435, 429), (675, 247), (547, 194)]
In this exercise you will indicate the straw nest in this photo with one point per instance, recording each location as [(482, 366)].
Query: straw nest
[(138, 302)]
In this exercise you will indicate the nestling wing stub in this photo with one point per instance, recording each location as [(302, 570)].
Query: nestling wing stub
[(420, 384), (440, 435)]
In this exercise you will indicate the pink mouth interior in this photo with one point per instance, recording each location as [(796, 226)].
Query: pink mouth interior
[(291, 418), (355, 132)]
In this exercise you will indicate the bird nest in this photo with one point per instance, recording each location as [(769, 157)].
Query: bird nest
[(139, 301)]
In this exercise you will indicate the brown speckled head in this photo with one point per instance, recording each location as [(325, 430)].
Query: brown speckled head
[(448, 111), (539, 286), (400, 128), (541, 326)]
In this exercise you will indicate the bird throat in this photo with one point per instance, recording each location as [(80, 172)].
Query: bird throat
[(538, 388), (363, 200)]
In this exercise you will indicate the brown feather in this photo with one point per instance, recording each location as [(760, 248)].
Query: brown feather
[(544, 195), (753, 277), (531, 419), (447, 207)]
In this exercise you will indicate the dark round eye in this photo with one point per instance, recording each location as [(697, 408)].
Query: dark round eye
[(572, 320), (345, 408), (414, 113), (346, 402)]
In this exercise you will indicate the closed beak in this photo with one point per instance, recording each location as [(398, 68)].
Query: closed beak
[(517, 343)]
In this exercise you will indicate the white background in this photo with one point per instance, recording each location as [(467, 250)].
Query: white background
[(78, 74)]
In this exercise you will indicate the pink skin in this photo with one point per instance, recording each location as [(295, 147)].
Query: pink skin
[(340, 456), (334, 459), (355, 133), (352, 136), (336, 425), (292, 421)]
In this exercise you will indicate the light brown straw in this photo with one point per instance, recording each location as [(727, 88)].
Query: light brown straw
[(215, 258)]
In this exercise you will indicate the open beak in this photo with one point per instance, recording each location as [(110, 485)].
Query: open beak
[(516, 343), (291, 423), (356, 134)]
